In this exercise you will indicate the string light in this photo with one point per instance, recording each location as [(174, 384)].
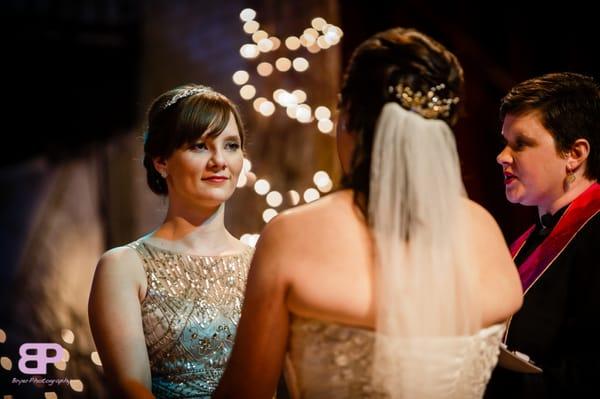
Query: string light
[(303, 113), (311, 195), (264, 68), (247, 92), (325, 126), (274, 199), (67, 335), (259, 35), (322, 112), (76, 385), (251, 26), (267, 108), (283, 64), (6, 363), (249, 50), (249, 239), (269, 214), (262, 187), (300, 96), (319, 36), (240, 77), (276, 42), (292, 43), (318, 23), (96, 358), (61, 365), (247, 14), (300, 64), (294, 197)]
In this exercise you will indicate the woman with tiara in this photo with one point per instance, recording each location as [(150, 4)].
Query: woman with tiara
[(164, 308)]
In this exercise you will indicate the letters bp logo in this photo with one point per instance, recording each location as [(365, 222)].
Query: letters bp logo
[(39, 354)]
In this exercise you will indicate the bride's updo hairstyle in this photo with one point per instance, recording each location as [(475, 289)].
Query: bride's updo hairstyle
[(402, 66)]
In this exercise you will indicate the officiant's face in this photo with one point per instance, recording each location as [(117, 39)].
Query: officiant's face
[(534, 170)]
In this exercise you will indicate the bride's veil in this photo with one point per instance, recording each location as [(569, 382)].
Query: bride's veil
[(425, 282)]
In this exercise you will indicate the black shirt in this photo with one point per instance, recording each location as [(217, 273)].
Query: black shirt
[(543, 228)]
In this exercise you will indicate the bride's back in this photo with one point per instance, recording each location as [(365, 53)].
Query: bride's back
[(332, 274), (332, 267), (390, 284)]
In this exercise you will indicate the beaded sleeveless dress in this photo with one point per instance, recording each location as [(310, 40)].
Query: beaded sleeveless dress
[(190, 314), (331, 360)]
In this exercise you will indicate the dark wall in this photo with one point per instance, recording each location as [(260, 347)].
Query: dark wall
[(70, 74), (499, 45)]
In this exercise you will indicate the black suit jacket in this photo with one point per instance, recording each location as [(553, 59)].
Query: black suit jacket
[(558, 326)]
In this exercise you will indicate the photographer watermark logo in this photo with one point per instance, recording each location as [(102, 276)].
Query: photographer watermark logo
[(40, 355)]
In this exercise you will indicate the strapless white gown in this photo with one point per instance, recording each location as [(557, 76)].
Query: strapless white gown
[(330, 360)]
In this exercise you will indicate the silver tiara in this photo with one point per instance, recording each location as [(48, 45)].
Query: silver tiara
[(184, 93), (429, 105)]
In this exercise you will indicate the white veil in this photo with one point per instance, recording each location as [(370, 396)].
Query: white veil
[(425, 285)]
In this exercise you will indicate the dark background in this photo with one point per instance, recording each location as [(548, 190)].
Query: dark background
[(71, 69), (77, 77)]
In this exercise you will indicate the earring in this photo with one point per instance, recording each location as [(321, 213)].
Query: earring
[(570, 177), (163, 174)]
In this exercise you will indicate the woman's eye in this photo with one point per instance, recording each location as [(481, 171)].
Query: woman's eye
[(519, 145), (199, 146), (233, 146)]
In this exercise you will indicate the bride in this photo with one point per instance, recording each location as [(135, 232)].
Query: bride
[(398, 285)]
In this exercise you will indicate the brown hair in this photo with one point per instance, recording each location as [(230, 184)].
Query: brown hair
[(388, 59), (179, 117)]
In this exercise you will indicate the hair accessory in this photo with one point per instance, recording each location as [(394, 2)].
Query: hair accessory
[(430, 105), (182, 94)]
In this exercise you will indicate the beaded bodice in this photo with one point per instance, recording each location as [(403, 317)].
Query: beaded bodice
[(330, 360), (190, 313)]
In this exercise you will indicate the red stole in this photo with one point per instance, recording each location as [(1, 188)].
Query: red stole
[(579, 212)]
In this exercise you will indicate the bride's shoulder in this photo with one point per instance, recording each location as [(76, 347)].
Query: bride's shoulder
[(309, 225), (479, 218), (323, 209)]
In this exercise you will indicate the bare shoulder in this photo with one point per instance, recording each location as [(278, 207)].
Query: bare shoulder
[(500, 283), (123, 259), (480, 216), (484, 232), (120, 266), (483, 228), (304, 224)]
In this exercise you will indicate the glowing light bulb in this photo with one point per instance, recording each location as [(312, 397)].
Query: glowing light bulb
[(247, 14), (262, 186), (264, 68), (76, 385), (240, 77), (269, 214), (318, 23), (247, 92), (293, 197), (274, 199), (249, 51), (322, 113), (300, 64), (311, 195), (303, 113), (292, 43), (325, 126), (283, 64), (300, 96), (267, 108), (251, 26)]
